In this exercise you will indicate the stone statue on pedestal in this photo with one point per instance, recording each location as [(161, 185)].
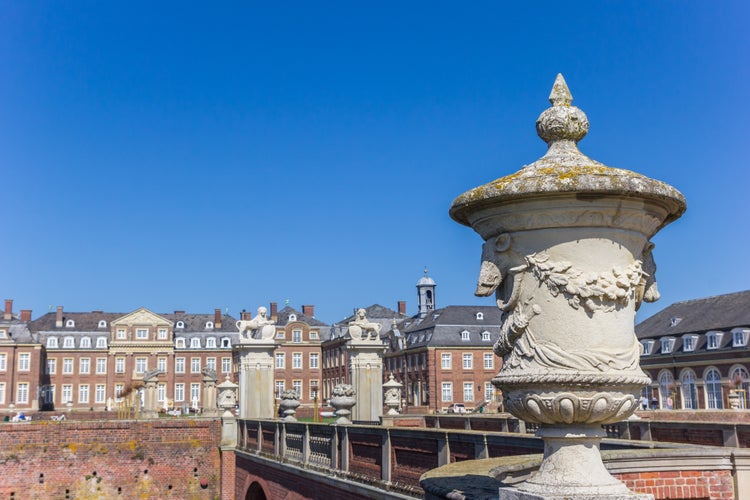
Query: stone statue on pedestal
[(260, 327), (362, 329)]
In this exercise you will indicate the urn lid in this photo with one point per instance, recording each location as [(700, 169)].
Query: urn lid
[(565, 170)]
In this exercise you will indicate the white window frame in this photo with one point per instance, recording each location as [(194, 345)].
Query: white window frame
[(102, 324), (226, 365), (667, 345), (689, 343), (280, 360), (296, 360), (101, 366), (85, 342), (446, 361), (446, 392), (195, 343), (22, 393), (121, 334), (162, 333), (51, 366), (83, 393), (141, 333), (465, 336), (69, 343), (195, 365), (67, 366), (314, 360), (713, 340), (161, 364), (3, 362), (67, 394), (211, 343), (100, 393), (279, 386), (101, 343), (119, 365), (648, 347), (739, 337), (84, 366), (24, 361), (467, 361), (52, 343), (297, 336), (488, 359), (211, 363), (70, 323), (179, 392), (141, 364), (179, 365), (468, 392), (180, 343)]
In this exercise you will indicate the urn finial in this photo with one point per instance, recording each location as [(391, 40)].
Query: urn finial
[(561, 122)]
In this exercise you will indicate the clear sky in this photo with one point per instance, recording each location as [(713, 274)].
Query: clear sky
[(172, 155)]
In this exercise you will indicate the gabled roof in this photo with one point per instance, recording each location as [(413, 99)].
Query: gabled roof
[(284, 314), (721, 312), (374, 312)]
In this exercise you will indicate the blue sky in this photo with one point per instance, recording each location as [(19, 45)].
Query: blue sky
[(186, 156)]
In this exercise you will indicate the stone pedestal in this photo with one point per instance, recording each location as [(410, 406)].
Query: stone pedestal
[(210, 407), (366, 376), (568, 256), (150, 402), (256, 378)]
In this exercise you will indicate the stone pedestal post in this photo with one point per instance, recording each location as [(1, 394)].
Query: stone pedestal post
[(366, 376), (151, 394), (256, 378), (210, 408), (568, 255)]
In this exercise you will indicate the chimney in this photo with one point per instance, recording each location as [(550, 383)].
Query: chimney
[(244, 315), (8, 310), (25, 315), (308, 311), (179, 313), (402, 307), (274, 311), (217, 319), (58, 317)]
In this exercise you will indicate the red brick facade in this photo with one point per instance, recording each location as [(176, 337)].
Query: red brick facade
[(684, 484), (162, 458)]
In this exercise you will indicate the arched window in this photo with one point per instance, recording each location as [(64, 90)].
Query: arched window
[(292, 317), (689, 392), (666, 390), (70, 324), (209, 325), (180, 324), (713, 389), (480, 316), (740, 380), (102, 323)]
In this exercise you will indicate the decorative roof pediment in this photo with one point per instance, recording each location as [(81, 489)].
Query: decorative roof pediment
[(141, 316)]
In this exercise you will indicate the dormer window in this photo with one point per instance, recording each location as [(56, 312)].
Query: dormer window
[(209, 325), (225, 342), (211, 343), (195, 343), (70, 323), (86, 342), (180, 343), (180, 325), (480, 316), (102, 324), (465, 335), (68, 343), (648, 346), (3, 334), (52, 343), (485, 336), (101, 343), (713, 340), (292, 317), (739, 337), (689, 342), (667, 344)]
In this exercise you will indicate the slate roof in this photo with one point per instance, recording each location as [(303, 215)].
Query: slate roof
[(443, 327), (284, 314), (721, 312), (18, 332), (89, 322)]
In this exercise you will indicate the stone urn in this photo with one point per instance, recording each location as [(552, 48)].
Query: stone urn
[(343, 400), (392, 395), (288, 405), (567, 254)]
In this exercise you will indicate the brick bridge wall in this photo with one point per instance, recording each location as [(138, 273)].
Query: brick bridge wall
[(163, 458)]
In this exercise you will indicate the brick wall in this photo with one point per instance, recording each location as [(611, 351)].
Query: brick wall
[(162, 458), (684, 484), (254, 478)]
